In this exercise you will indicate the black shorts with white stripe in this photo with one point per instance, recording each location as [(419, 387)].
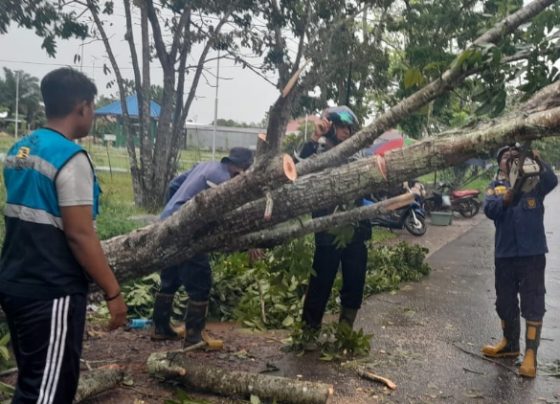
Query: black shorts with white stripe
[(47, 342)]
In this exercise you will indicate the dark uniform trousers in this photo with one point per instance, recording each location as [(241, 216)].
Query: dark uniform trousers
[(353, 260), (195, 275), (523, 276), (47, 341)]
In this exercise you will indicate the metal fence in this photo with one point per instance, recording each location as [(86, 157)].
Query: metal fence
[(201, 137)]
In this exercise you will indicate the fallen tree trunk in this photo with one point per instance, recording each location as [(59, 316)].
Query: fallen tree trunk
[(297, 228), (176, 366), (97, 381), (138, 253), (228, 216)]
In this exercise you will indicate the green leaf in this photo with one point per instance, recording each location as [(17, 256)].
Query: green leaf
[(288, 321), (412, 77), (255, 399), (4, 353), (7, 388), (5, 339)]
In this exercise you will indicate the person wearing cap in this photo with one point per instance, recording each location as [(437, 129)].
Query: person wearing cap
[(195, 274), (336, 125), (519, 257)]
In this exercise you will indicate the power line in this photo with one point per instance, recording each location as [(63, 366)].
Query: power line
[(27, 62)]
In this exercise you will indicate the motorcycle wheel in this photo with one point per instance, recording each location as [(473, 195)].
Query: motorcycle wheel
[(416, 228), (469, 208)]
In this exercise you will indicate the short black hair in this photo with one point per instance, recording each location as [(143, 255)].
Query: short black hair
[(63, 88)]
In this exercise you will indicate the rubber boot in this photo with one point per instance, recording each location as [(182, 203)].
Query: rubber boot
[(310, 338), (528, 367), (195, 322), (162, 314), (347, 316), (509, 345)]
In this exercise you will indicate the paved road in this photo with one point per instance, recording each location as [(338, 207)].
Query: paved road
[(420, 332)]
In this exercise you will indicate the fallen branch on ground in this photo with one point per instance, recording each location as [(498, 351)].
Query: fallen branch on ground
[(174, 365), (366, 374), (485, 359), (98, 381)]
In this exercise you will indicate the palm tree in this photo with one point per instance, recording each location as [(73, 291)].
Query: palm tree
[(29, 105)]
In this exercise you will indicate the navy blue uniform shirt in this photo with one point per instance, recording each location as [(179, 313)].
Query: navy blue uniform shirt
[(519, 228), (197, 179)]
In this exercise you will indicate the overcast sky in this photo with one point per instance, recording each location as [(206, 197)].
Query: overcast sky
[(245, 97)]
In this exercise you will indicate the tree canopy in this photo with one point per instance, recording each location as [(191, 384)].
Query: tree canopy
[(49, 19)]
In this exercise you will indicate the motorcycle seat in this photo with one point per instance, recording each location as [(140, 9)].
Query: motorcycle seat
[(465, 192)]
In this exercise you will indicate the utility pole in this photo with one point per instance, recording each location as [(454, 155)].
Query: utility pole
[(17, 104), (82, 58), (216, 107)]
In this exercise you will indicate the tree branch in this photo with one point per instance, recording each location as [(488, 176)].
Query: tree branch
[(198, 72), (451, 78), (284, 232), (122, 93), (166, 62)]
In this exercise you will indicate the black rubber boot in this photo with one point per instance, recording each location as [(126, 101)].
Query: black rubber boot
[(162, 314), (347, 316), (532, 341), (509, 345), (195, 321)]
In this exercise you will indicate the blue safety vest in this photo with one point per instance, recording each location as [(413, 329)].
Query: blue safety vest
[(36, 259)]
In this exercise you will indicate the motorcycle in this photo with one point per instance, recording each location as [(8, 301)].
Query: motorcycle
[(464, 201), (411, 217)]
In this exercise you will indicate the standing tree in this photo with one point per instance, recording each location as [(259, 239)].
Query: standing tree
[(187, 24)]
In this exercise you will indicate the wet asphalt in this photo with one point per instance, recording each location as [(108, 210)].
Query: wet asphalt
[(427, 337)]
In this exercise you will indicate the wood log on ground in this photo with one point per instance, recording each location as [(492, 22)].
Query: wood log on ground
[(176, 366), (97, 381)]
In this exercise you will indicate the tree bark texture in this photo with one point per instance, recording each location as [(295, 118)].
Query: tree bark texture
[(296, 228), (176, 366), (97, 381)]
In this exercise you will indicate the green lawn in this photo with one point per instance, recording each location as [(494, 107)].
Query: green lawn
[(105, 156)]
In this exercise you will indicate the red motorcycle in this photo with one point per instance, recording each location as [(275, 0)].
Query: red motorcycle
[(464, 201)]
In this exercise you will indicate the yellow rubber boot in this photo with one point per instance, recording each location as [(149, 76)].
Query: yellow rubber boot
[(532, 340), (212, 344), (509, 344)]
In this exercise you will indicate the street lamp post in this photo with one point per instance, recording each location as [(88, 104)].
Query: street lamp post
[(216, 108)]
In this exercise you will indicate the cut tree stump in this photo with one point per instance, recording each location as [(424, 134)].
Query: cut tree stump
[(176, 366)]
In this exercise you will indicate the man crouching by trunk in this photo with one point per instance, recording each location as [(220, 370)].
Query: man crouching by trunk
[(195, 274)]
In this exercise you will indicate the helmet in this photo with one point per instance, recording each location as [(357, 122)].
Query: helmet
[(342, 116), (503, 149)]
